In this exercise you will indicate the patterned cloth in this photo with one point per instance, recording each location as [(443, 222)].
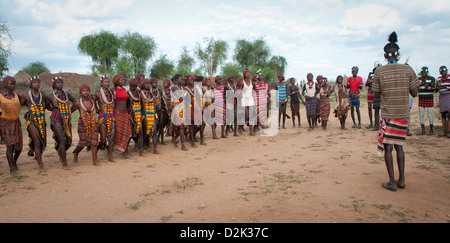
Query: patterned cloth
[(354, 98), (122, 129), (40, 129), (219, 105), (261, 102), (324, 109), (311, 107), (444, 103), (392, 131), (426, 102), (88, 129), (11, 133), (376, 103)]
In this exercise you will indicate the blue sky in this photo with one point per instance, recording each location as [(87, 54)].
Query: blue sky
[(322, 37)]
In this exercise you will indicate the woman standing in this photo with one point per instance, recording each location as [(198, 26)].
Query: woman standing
[(10, 127), (324, 102), (104, 101), (37, 102), (60, 120), (247, 100), (122, 125)]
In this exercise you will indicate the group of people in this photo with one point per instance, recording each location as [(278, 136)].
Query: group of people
[(144, 113)]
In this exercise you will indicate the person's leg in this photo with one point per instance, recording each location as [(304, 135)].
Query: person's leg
[(77, 150), (353, 116), (401, 165), (430, 117), (391, 185), (369, 109), (359, 117), (35, 136)]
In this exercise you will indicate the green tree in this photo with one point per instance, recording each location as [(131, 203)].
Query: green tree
[(162, 68), (278, 64), (212, 55), (247, 53), (231, 68), (5, 50), (102, 47), (185, 63), (140, 48), (35, 68), (123, 65)]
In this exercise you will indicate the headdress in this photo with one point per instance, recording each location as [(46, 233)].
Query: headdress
[(391, 49), (55, 79), (118, 77), (84, 86), (6, 80)]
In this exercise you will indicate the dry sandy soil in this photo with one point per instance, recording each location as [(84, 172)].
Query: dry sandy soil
[(296, 176)]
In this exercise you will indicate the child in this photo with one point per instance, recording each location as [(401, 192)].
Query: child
[(324, 102), (342, 101), (87, 124), (282, 100), (294, 93)]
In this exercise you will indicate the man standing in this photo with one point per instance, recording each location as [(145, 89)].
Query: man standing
[(426, 90), (393, 83), (443, 87), (355, 84)]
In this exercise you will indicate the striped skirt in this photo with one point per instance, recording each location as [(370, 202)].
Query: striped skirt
[(324, 109), (376, 103), (85, 138), (392, 131), (122, 129)]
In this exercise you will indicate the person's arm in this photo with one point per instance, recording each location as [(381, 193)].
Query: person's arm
[(75, 106)]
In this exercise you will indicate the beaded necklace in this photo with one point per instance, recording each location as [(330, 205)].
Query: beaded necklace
[(107, 109), (37, 113), (149, 111), (137, 111), (88, 117), (63, 106)]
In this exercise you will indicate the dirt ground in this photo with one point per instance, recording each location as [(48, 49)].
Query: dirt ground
[(298, 175)]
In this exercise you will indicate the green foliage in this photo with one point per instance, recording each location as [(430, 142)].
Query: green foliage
[(231, 68), (5, 50), (162, 68), (102, 47), (35, 68), (212, 55), (278, 64), (185, 64), (247, 53), (140, 48)]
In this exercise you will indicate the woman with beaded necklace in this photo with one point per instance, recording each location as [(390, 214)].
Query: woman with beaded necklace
[(60, 120), (10, 127), (87, 124), (37, 102), (122, 122), (104, 102)]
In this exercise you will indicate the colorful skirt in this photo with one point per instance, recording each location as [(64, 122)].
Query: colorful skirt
[(444, 103), (426, 102), (324, 110), (42, 135), (11, 133), (122, 130), (58, 122), (370, 96), (392, 131), (311, 107), (353, 96), (87, 139)]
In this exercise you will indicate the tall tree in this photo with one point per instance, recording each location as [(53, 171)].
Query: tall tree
[(5, 50), (247, 53), (102, 47), (278, 64), (185, 64), (162, 68), (35, 68), (140, 48), (212, 55)]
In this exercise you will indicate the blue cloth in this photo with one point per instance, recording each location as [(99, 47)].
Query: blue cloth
[(281, 92)]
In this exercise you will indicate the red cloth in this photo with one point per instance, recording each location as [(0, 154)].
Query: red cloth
[(355, 84), (121, 95)]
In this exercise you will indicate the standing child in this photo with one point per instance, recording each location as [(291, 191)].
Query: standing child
[(310, 91), (324, 102), (87, 124), (60, 120), (10, 126), (294, 93), (355, 84), (166, 110), (150, 117), (282, 100)]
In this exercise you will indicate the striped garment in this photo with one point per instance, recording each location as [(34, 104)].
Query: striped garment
[(122, 129), (324, 109), (261, 101), (87, 129), (281, 92), (394, 81), (11, 133), (424, 92), (219, 105), (311, 107), (392, 131)]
